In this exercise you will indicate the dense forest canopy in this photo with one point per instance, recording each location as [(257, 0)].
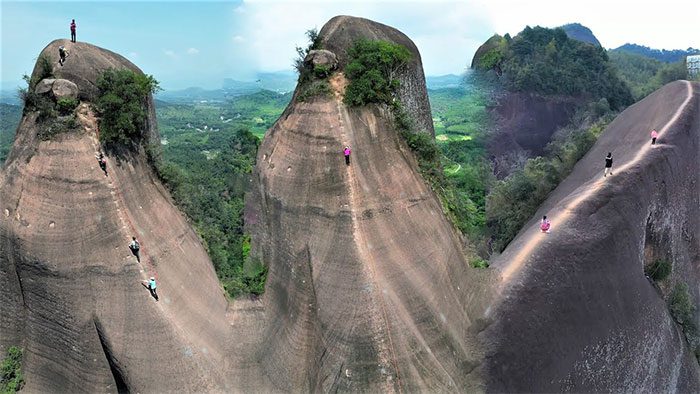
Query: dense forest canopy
[(547, 61)]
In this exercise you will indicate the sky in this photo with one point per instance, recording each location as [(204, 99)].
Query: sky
[(185, 44)]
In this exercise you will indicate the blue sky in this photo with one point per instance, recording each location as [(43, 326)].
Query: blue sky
[(200, 43)]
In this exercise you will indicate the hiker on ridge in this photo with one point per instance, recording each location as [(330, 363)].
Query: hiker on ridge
[(654, 136), (102, 161), (135, 247), (151, 286), (346, 152), (608, 164), (72, 30), (62, 54), (545, 224)]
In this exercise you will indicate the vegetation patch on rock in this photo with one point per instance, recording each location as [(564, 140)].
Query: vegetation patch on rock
[(122, 105), (11, 379)]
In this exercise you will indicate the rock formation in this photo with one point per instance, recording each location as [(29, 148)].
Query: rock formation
[(71, 291), (367, 287), (340, 33), (367, 283)]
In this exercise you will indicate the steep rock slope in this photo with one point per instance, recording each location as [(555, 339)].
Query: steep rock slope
[(72, 294), (574, 305), (367, 286)]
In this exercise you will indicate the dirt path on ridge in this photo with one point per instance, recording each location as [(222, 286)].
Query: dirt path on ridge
[(535, 238)]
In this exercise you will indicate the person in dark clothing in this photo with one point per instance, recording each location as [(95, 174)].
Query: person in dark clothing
[(72, 31), (62, 54), (102, 161), (135, 247), (608, 164), (346, 152)]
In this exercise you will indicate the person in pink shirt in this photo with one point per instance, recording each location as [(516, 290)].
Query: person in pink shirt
[(654, 136), (72, 31), (545, 224), (346, 152)]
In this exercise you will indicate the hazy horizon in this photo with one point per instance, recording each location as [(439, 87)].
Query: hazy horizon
[(187, 44)]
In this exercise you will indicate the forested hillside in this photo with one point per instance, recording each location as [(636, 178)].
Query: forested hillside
[(548, 62), (662, 55)]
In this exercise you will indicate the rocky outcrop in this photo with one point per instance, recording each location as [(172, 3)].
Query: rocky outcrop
[(367, 286), (322, 57), (483, 49), (580, 32), (71, 290), (340, 33), (63, 88), (524, 125), (83, 66)]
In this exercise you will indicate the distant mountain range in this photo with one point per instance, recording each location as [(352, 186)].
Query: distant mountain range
[(668, 56)]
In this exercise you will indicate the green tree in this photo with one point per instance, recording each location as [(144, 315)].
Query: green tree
[(122, 104), (11, 379), (373, 71)]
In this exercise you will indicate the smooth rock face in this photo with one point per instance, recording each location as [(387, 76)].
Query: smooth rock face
[(322, 57), (64, 88), (340, 33)]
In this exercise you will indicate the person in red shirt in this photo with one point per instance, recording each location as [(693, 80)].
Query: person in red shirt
[(72, 31)]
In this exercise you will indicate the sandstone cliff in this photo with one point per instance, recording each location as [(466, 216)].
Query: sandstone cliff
[(71, 291)]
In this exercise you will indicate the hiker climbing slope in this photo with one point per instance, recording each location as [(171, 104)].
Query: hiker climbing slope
[(347, 152), (102, 162), (62, 55), (608, 164), (134, 246)]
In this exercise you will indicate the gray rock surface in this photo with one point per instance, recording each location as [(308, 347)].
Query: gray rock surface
[(322, 57), (44, 86), (63, 88)]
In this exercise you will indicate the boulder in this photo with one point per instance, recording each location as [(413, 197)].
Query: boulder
[(64, 88), (322, 57), (44, 86)]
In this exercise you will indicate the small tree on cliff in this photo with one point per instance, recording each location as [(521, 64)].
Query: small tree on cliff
[(122, 104), (373, 70)]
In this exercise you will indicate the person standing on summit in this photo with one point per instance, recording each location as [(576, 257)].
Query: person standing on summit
[(72, 31), (346, 152), (608, 164)]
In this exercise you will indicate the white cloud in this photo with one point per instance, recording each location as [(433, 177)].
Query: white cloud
[(671, 24), (170, 53), (192, 51), (238, 38), (133, 55)]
